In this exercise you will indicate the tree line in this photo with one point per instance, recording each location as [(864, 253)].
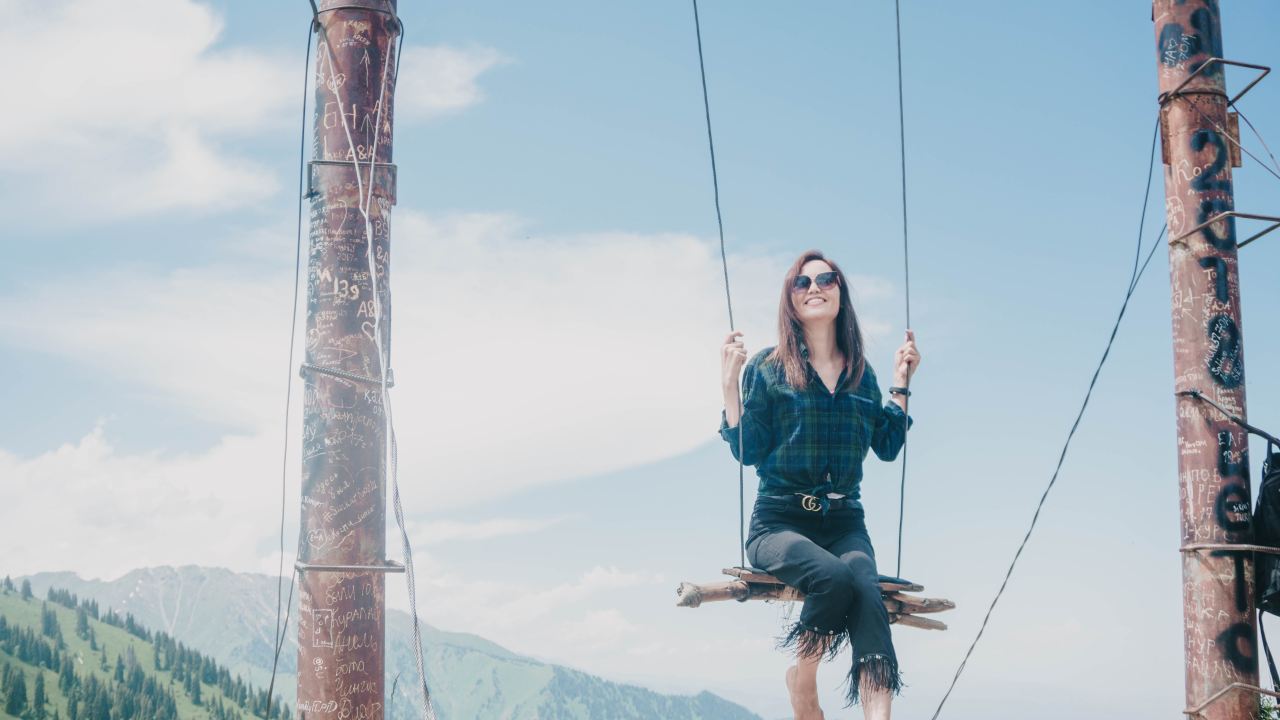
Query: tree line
[(122, 690)]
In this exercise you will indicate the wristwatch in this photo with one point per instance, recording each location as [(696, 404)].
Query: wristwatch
[(894, 390)]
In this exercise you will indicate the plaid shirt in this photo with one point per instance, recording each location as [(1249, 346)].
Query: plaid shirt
[(812, 441)]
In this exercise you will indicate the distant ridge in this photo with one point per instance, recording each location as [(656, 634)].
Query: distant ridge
[(231, 617)]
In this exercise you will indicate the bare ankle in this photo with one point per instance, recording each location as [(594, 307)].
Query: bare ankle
[(804, 695)]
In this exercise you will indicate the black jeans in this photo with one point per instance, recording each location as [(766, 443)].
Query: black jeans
[(828, 556)]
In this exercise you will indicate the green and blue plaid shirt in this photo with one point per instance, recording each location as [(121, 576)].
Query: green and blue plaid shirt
[(812, 441)]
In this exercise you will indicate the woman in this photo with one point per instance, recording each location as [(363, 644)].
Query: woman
[(810, 410)]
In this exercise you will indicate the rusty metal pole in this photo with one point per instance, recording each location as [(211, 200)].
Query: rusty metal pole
[(342, 558), (1219, 628)]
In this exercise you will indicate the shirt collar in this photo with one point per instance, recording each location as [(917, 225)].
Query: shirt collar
[(804, 353)]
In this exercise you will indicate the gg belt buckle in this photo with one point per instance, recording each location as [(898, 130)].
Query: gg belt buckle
[(810, 502)]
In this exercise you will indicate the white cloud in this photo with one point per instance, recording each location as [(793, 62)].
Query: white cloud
[(191, 176), (441, 531), (599, 630), (125, 108), (113, 512), (439, 79), (211, 339), (562, 356), (549, 357), (528, 616), (139, 110), (573, 355), (510, 605)]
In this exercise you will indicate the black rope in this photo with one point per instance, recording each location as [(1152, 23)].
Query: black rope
[(283, 628), (284, 632), (1134, 277), (906, 272), (711, 146), (724, 262), (1146, 200)]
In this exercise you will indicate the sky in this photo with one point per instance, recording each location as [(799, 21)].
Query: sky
[(559, 309)]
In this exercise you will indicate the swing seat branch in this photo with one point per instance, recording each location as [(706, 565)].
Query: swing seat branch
[(748, 584)]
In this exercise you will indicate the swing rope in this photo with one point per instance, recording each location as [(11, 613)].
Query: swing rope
[(906, 272), (715, 185), (724, 263)]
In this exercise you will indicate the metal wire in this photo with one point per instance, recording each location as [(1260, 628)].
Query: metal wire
[(283, 628), (1191, 101), (1259, 136), (340, 373), (1134, 277)]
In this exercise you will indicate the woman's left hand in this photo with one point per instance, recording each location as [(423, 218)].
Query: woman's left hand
[(905, 361)]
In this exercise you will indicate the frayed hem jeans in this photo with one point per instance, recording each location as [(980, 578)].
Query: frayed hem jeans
[(827, 555)]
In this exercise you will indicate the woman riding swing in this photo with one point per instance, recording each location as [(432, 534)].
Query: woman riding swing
[(810, 410)]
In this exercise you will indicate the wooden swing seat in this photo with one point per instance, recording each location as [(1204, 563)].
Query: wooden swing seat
[(751, 584)]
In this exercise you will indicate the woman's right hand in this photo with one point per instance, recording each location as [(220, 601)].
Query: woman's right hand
[(732, 356)]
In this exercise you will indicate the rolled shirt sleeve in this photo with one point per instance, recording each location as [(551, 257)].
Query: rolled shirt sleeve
[(890, 432), (756, 431)]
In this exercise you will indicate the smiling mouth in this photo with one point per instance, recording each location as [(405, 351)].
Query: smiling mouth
[(814, 300)]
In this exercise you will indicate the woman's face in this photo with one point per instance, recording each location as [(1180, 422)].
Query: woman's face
[(815, 304)]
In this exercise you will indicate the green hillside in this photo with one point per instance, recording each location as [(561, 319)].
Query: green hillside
[(230, 617), (63, 658)]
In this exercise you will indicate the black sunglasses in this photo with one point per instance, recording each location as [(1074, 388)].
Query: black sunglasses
[(826, 281)]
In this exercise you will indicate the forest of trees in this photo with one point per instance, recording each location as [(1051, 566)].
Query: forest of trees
[(122, 689)]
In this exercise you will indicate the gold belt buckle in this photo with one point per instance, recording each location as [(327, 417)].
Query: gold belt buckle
[(810, 502)]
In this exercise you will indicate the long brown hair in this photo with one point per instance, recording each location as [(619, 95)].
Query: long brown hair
[(791, 332)]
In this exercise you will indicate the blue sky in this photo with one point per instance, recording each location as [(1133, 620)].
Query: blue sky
[(559, 309)]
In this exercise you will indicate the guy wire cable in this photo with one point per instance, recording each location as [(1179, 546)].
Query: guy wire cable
[(288, 393), (1134, 276)]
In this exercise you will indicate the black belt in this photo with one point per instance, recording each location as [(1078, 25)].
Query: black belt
[(814, 503)]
